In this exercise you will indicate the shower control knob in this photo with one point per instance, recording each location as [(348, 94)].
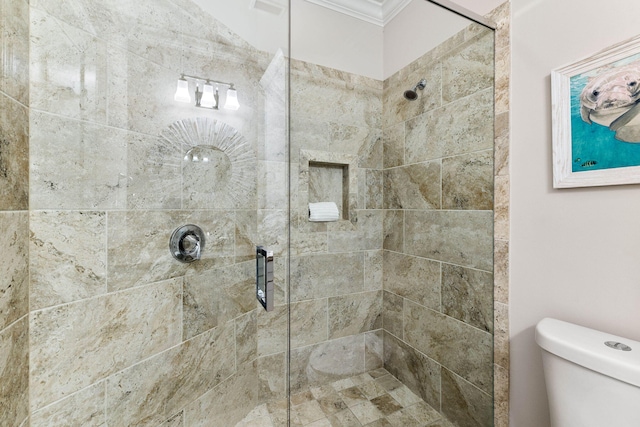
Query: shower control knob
[(187, 243)]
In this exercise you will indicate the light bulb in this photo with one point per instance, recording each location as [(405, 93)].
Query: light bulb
[(208, 100), (232, 99), (182, 91)]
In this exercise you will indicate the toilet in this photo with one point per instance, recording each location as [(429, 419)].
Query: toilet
[(593, 378)]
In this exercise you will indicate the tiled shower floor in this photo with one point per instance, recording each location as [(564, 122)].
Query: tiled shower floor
[(373, 399)]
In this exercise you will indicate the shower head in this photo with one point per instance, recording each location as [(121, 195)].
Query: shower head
[(412, 94)]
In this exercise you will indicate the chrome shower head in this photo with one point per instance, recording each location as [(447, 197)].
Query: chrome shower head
[(412, 94)]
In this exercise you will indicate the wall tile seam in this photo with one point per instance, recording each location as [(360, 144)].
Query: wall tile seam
[(314, 118), (349, 294), (463, 98), (110, 293), (326, 309), (313, 70), (144, 210), (439, 364), (105, 409), (404, 231), (435, 159), (347, 123), (431, 111), (407, 74), (247, 54), (448, 263), (439, 312), (14, 211), (438, 261), (442, 186), (501, 174), (11, 98), (460, 378), (14, 323), (88, 122), (338, 252), (109, 377), (413, 301), (371, 292), (107, 414), (105, 243), (429, 58), (505, 111), (265, 355), (308, 346), (235, 343), (354, 336), (454, 211), (26, 421), (503, 327), (83, 389)]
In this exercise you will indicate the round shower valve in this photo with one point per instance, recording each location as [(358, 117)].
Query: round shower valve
[(187, 243)]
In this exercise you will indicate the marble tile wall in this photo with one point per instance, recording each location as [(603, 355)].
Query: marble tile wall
[(14, 212), (336, 267), (502, 17), (438, 182), (120, 333)]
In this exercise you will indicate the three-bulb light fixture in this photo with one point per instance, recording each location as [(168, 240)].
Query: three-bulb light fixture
[(208, 97)]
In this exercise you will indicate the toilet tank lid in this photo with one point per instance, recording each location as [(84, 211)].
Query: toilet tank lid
[(586, 347)]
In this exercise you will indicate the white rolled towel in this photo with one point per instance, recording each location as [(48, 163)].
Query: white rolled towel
[(323, 211)]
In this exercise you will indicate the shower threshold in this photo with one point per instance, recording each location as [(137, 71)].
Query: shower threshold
[(373, 399)]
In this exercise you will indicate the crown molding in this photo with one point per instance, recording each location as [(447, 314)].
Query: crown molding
[(378, 12)]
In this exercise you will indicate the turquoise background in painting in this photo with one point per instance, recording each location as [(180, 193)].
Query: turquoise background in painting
[(596, 143)]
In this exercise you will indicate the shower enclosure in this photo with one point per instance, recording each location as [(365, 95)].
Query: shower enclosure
[(122, 122)]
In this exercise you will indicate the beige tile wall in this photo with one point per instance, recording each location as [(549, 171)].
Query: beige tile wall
[(14, 215), (438, 227), (121, 333), (336, 280), (502, 17)]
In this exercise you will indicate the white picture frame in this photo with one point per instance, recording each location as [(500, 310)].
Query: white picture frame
[(599, 71)]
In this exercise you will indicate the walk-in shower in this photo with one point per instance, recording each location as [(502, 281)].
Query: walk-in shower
[(375, 312)]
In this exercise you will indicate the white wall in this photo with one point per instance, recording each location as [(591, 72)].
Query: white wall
[(575, 254), (323, 36), (417, 29)]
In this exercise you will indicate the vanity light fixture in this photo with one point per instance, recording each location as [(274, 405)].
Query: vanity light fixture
[(232, 99), (182, 91), (208, 97)]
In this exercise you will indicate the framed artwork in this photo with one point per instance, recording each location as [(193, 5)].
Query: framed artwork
[(596, 119)]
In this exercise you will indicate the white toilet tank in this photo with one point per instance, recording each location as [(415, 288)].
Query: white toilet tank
[(589, 383)]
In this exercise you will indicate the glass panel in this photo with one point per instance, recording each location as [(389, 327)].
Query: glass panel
[(392, 303), (123, 333)]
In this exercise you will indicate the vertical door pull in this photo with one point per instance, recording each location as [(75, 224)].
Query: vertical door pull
[(264, 277)]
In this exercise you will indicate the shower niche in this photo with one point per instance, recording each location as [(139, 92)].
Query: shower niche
[(329, 177)]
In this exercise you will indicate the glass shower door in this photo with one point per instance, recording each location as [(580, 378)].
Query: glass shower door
[(152, 119), (391, 298)]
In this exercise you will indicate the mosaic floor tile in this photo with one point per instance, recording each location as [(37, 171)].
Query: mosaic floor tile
[(373, 399)]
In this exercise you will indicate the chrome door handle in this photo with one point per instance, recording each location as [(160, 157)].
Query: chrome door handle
[(264, 277)]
